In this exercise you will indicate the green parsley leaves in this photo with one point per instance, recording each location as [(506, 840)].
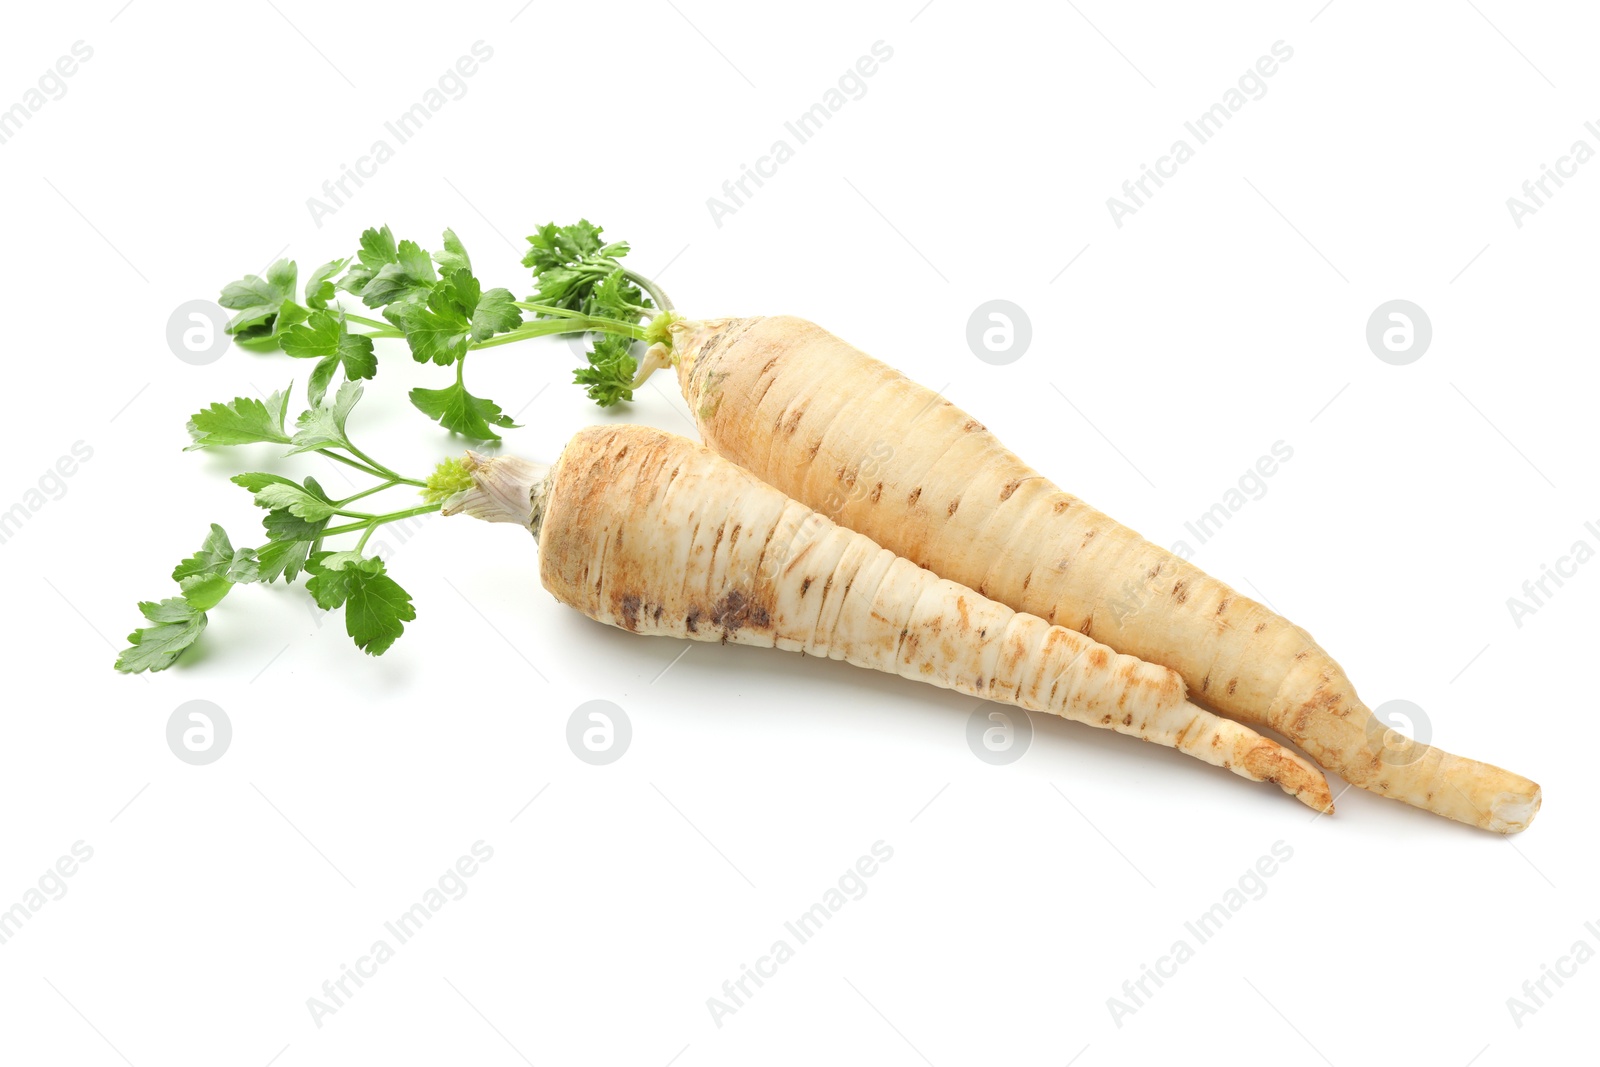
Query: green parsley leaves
[(610, 372), (243, 421), (298, 522), (376, 609)]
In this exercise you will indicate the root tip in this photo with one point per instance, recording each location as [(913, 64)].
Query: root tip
[(1512, 812)]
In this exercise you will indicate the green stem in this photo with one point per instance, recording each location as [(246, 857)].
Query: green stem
[(548, 309), (379, 520), (658, 294), (366, 492), (568, 324), (363, 320), (362, 467), (374, 464), (363, 542)]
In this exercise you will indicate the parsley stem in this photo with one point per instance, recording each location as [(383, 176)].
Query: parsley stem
[(374, 464), (363, 542), (658, 294), (568, 324), (347, 461), (548, 309), (363, 320), (379, 520), (390, 484)]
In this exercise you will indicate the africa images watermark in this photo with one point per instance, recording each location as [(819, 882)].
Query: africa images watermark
[(451, 85), (852, 85), (451, 885), (851, 885), (1251, 885), (1136, 594), (51, 485), (1536, 592), (51, 85), (1535, 191), (1536, 992), (1252, 85), (51, 885)]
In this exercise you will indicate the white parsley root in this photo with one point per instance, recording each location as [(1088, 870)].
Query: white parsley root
[(809, 413), (649, 532)]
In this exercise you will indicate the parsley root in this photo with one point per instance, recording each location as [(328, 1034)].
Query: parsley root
[(803, 410), (649, 532)]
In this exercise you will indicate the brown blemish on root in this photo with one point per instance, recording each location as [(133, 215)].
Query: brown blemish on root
[(736, 610), (951, 510), (1010, 487), (877, 491), (1233, 683), (630, 611), (794, 421), (911, 501), (1260, 626), (1223, 604), (1099, 657), (1180, 591), (804, 586), (972, 426), (692, 620), (816, 446)]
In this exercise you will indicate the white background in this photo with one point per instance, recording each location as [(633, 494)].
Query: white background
[(1226, 315)]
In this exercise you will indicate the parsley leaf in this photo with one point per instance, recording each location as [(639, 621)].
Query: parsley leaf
[(456, 313), (244, 421), (154, 648), (258, 300), (319, 286), (323, 425), (377, 248), (284, 559), (458, 410), (437, 331), (277, 493), (376, 608), (570, 264), (282, 523), (410, 276), (616, 298), (454, 256), (558, 246), (495, 313), (610, 372), (206, 576), (327, 335)]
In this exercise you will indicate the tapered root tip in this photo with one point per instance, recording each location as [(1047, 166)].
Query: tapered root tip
[(1510, 813), (1295, 776)]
